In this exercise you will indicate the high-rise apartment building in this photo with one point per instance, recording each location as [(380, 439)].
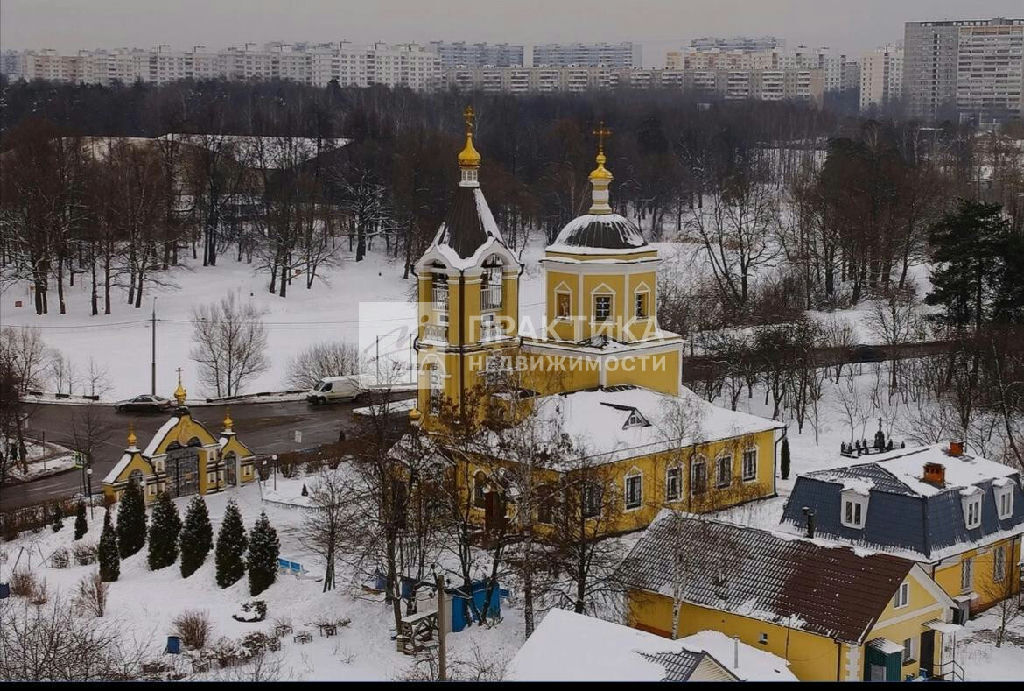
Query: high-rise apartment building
[(881, 77), (626, 54), (461, 54), (966, 66), (409, 65)]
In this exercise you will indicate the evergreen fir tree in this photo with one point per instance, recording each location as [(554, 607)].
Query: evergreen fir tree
[(81, 525), (131, 520), (109, 558), (196, 537), (58, 520), (785, 458), (229, 554), (163, 533), (264, 549)]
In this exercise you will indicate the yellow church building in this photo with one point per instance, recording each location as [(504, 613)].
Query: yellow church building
[(599, 369), (182, 458)]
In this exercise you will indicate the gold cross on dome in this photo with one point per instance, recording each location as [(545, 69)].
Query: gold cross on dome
[(601, 132), (468, 115), (179, 376)]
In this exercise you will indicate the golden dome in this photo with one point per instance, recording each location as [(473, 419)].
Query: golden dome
[(469, 157), (601, 173), (132, 439), (228, 422), (415, 415), (179, 393)]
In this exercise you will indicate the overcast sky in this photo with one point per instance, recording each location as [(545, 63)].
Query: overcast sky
[(850, 26)]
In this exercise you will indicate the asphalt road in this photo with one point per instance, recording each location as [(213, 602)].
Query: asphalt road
[(266, 428)]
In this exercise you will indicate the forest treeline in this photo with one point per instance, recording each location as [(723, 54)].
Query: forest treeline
[(792, 207)]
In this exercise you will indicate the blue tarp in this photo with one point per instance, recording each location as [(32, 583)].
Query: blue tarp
[(463, 614)]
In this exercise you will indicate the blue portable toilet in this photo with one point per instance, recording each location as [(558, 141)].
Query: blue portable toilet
[(5, 591), (173, 645), (463, 614)]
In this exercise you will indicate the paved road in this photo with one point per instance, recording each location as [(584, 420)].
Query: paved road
[(265, 427)]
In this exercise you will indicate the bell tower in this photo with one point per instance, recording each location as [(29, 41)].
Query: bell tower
[(468, 296)]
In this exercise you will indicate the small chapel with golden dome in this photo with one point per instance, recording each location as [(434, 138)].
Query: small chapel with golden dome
[(182, 458), (599, 368)]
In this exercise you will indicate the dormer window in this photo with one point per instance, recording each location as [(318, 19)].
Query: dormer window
[(854, 510), (636, 419), (1004, 500), (972, 509)]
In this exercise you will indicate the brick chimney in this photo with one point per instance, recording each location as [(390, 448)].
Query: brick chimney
[(956, 448), (934, 474)]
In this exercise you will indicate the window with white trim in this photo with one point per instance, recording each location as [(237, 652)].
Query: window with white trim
[(698, 476), (602, 308), (909, 650), (563, 305), (635, 419), (673, 479), (634, 491), (439, 295), (902, 597), (479, 490), (1004, 500), (723, 475), (967, 575), (750, 464), (436, 390), (640, 304), (972, 510), (999, 563), (855, 509)]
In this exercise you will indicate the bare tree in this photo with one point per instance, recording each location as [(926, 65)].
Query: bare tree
[(25, 353), (328, 359), (62, 372), (92, 595), (49, 643), (330, 517), (229, 344)]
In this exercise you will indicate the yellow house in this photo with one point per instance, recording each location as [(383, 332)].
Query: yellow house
[(182, 458), (833, 614), (599, 370), (960, 516)]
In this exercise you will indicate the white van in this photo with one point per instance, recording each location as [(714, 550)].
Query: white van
[(335, 389)]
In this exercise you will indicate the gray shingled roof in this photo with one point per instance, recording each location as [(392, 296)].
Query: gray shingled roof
[(601, 231), (678, 666), (932, 526), (463, 229), (829, 591)]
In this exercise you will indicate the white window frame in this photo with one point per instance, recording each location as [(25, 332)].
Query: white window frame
[(588, 491), (611, 307), (972, 510), (436, 391), (1004, 497), (743, 463), (967, 574), (669, 495), (999, 563), (441, 308), (902, 597), (909, 651), (635, 419), (634, 474), (859, 502), (563, 289), (718, 470), (642, 292)]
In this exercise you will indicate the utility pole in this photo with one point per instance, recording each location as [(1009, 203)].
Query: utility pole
[(153, 362), (441, 672)]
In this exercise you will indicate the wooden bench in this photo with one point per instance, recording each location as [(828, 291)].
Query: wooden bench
[(302, 637), (328, 630)]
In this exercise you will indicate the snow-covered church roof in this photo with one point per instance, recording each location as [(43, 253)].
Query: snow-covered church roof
[(599, 233)]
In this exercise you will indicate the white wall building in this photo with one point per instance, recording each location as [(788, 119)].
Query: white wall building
[(881, 77)]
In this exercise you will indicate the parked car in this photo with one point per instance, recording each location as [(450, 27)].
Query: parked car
[(143, 404), (335, 389)]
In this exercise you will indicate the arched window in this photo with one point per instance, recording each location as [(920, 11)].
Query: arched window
[(698, 475), (591, 500), (436, 390), (138, 477), (480, 489), (439, 295), (490, 284), (723, 475), (634, 490), (673, 484)]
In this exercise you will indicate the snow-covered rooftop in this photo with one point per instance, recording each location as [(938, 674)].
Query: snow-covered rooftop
[(573, 647), (907, 467), (601, 421)]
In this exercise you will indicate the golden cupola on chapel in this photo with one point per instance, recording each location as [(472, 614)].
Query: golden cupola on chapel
[(468, 297)]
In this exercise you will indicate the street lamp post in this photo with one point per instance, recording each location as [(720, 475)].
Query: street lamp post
[(274, 459), (88, 491)]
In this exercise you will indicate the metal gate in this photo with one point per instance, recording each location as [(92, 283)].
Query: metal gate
[(182, 471)]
